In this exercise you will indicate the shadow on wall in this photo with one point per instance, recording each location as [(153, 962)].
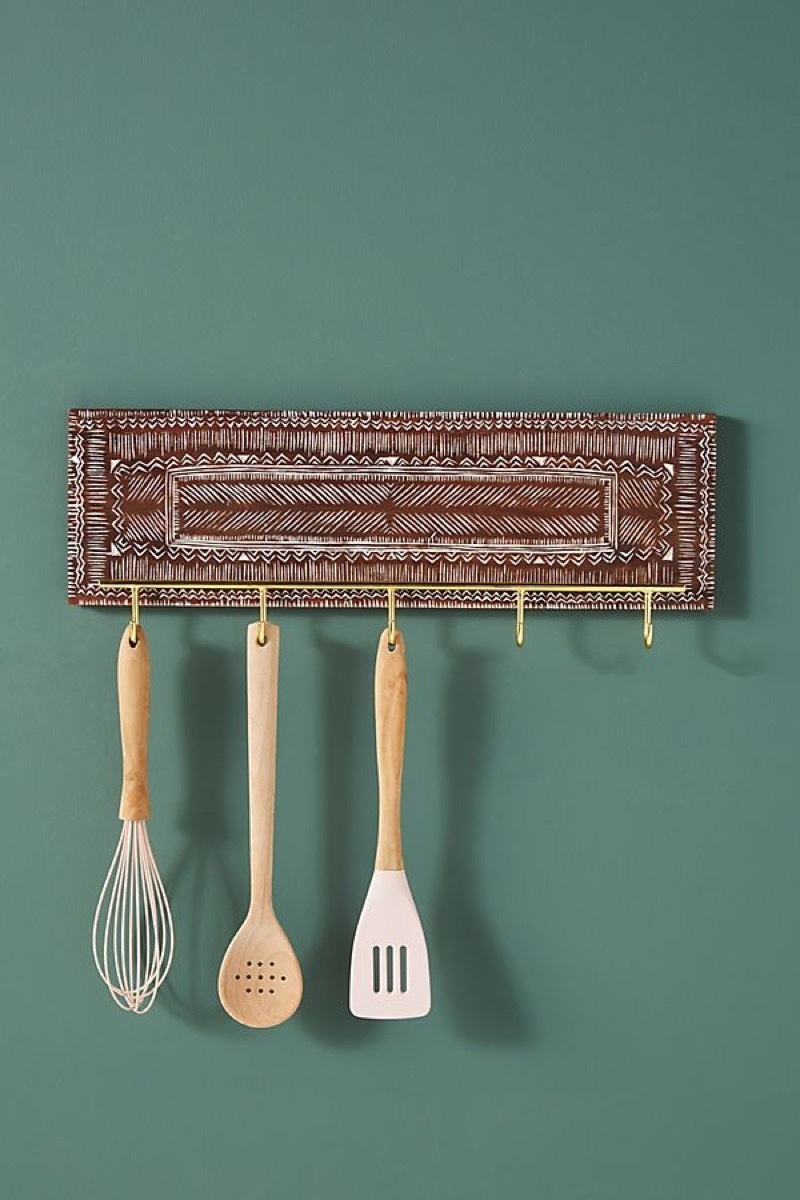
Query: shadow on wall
[(610, 643), (208, 899), (733, 554), (345, 680), (473, 970)]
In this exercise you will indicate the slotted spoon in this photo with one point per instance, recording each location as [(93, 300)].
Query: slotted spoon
[(389, 973), (260, 981)]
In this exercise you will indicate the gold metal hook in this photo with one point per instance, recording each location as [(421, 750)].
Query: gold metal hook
[(263, 617), (133, 628), (392, 617), (648, 619), (520, 616)]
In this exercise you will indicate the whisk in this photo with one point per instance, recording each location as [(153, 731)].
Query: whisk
[(132, 934)]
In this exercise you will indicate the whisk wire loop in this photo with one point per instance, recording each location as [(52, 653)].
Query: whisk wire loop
[(132, 935)]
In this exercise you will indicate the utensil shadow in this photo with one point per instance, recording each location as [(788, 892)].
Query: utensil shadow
[(208, 899), (474, 968), (344, 693)]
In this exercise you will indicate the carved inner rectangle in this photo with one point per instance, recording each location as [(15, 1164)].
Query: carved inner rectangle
[(254, 507)]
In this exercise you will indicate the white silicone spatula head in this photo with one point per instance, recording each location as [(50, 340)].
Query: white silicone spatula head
[(389, 973)]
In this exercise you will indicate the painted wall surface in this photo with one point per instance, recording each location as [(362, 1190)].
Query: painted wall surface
[(426, 205)]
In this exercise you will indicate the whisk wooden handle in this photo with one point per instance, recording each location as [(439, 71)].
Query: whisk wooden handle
[(133, 681), (391, 693)]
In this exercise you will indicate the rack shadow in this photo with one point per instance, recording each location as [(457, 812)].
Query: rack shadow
[(733, 554), (604, 646), (610, 643)]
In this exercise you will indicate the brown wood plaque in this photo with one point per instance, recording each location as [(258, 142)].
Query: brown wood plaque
[(453, 498)]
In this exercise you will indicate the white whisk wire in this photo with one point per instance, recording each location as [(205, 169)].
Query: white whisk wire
[(132, 935)]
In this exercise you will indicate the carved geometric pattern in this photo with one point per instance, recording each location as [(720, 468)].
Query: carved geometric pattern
[(363, 497)]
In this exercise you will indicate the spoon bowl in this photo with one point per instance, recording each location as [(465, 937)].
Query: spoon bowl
[(260, 981)]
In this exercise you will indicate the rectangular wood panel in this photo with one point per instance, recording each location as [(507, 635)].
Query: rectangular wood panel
[(371, 497)]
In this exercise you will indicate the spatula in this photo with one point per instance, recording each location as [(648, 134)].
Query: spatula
[(389, 974), (260, 982)]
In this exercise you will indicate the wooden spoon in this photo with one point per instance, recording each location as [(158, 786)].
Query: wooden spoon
[(260, 981)]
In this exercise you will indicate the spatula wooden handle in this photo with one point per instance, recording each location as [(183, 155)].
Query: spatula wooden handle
[(133, 683), (391, 694), (262, 733)]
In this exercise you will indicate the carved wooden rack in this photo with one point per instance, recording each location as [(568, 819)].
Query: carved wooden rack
[(359, 509)]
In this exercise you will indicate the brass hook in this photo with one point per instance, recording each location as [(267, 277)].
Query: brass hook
[(648, 619), (392, 618), (133, 628), (520, 616), (263, 617)]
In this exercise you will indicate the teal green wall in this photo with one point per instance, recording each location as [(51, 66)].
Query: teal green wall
[(431, 205)]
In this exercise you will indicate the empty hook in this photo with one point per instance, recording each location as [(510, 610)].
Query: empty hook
[(520, 616), (648, 619)]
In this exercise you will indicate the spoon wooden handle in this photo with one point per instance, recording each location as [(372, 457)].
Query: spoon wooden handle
[(262, 731), (391, 694), (133, 683)]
